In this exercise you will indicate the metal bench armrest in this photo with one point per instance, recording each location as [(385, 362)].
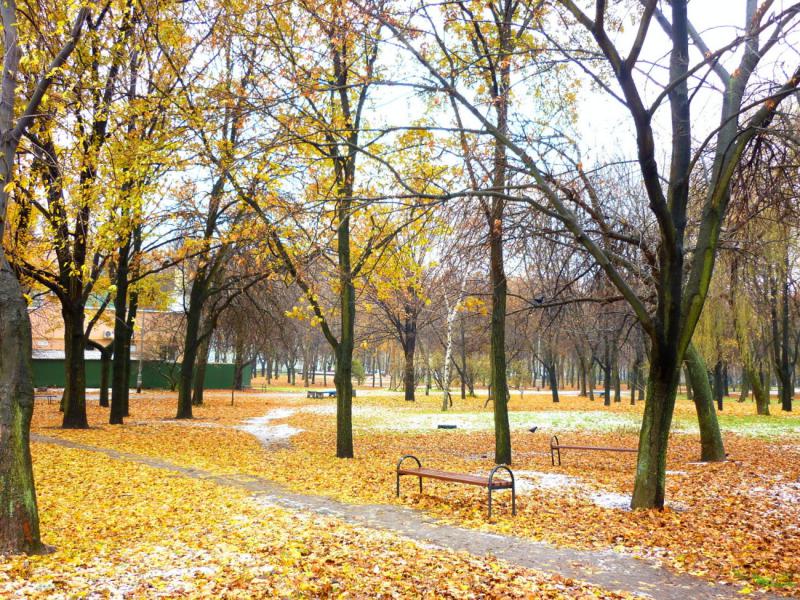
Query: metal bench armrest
[(400, 462), (513, 489)]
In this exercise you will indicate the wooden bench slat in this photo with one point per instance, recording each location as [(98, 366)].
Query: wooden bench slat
[(562, 447), (490, 483), (556, 447), (456, 477)]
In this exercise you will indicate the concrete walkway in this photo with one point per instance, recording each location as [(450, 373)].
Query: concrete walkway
[(607, 569)]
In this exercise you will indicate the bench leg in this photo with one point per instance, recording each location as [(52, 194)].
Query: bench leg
[(398, 485), (420, 485), (490, 503), (553, 451)]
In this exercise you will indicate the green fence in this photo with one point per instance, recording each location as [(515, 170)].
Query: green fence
[(156, 374)]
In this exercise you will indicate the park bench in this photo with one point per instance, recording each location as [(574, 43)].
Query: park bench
[(490, 483), (323, 394), (556, 448), (43, 393)]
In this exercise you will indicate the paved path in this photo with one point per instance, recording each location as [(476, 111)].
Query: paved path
[(607, 569)]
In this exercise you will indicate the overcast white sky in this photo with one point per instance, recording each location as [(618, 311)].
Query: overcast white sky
[(605, 127)]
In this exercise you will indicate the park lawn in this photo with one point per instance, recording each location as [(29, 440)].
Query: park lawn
[(738, 521), (124, 529)]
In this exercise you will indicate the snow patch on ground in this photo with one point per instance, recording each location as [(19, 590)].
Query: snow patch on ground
[(366, 417), (266, 433), (527, 481), (767, 428), (484, 421), (783, 493), (611, 500)]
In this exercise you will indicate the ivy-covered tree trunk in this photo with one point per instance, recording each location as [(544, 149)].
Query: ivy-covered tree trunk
[(19, 517), (711, 447)]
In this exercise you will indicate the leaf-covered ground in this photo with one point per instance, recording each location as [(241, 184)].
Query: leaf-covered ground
[(125, 530), (738, 521)]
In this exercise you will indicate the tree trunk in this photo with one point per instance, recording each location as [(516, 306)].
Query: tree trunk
[(551, 373), (199, 382), (718, 384), (783, 366), (448, 353), (725, 379), (105, 375), (409, 377), (502, 430), (75, 367), (463, 359), (637, 365), (239, 365), (760, 394), (744, 392), (582, 376), (662, 384), (428, 374), (689, 390), (190, 347), (607, 374), (120, 368), (343, 377), (711, 446), (133, 310), (122, 342), (19, 516)]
